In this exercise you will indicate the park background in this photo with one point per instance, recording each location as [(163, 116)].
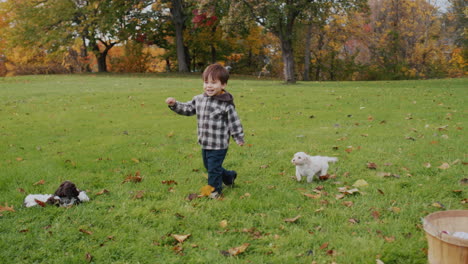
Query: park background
[(292, 40)]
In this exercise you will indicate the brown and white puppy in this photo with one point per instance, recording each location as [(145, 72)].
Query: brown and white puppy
[(309, 166), (66, 195)]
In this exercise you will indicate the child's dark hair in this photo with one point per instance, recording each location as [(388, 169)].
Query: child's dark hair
[(217, 72)]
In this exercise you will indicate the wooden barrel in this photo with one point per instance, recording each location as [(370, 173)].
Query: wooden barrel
[(444, 248)]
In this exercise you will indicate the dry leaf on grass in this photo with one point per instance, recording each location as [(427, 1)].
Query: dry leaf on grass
[(139, 194), (206, 190), (444, 166), (192, 196), (7, 208), (464, 181), (40, 203), (223, 223), (86, 231), (235, 251), (89, 257), (131, 178), (169, 182), (371, 165), (103, 191), (438, 205), (181, 238), (313, 196), (292, 220), (360, 183), (41, 182), (324, 245)]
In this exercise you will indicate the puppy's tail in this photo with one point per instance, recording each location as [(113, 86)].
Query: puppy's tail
[(331, 159)]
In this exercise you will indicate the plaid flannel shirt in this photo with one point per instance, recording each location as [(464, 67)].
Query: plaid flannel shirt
[(217, 120)]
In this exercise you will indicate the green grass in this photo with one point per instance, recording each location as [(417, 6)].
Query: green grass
[(95, 130)]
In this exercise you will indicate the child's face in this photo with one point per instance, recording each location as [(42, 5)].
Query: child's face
[(213, 87)]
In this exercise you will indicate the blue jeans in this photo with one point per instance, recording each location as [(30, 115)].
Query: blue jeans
[(217, 175)]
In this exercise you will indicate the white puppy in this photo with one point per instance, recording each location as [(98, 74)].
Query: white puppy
[(308, 166)]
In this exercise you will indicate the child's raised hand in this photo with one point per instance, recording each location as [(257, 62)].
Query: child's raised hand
[(170, 101)]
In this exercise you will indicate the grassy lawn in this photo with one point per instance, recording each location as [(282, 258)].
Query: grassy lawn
[(96, 130)]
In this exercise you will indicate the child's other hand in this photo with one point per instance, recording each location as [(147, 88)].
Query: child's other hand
[(170, 101)]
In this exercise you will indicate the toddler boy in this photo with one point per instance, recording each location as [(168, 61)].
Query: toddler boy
[(217, 121)]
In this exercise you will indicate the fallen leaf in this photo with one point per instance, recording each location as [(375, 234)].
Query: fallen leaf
[(348, 203), (378, 261), (444, 166), (375, 214), (427, 165), (324, 177), (19, 159), (245, 195), (41, 182), (264, 166), (319, 210), (360, 183), (181, 238), (353, 221), (223, 223), (324, 245), (206, 190), (394, 209), (438, 205), (178, 249), (371, 165), (86, 231), (7, 208), (339, 196), (89, 258), (390, 239), (192, 196), (236, 250), (345, 190), (40, 203), (103, 191), (292, 220), (21, 190), (139, 195), (464, 181), (169, 182), (131, 178), (135, 160), (313, 196)]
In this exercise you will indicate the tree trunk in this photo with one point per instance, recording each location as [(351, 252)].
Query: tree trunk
[(102, 56), (213, 54), (307, 53), (84, 55), (178, 18), (288, 60), (318, 63)]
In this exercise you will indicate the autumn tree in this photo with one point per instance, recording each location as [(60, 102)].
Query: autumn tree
[(405, 38), (279, 17), (55, 24)]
